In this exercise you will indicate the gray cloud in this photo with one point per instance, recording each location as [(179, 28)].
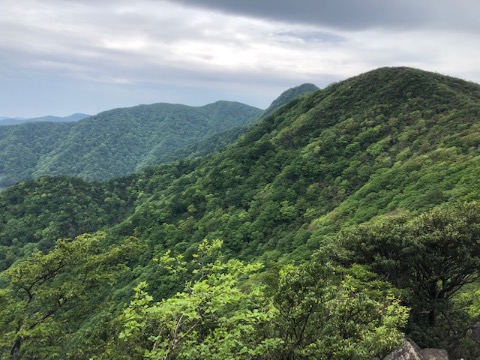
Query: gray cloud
[(356, 14), (312, 36)]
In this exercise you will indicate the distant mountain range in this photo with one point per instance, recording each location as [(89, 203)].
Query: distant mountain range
[(4, 121), (121, 141)]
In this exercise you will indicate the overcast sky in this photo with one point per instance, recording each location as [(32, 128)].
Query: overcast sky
[(58, 57)]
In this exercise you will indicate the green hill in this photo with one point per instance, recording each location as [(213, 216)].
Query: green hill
[(220, 140), (113, 143), (387, 140), (390, 141)]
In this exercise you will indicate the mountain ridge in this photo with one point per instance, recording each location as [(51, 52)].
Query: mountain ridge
[(5, 121), (390, 141), (112, 143), (151, 134)]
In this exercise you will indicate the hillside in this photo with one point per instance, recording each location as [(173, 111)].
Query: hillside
[(113, 143), (384, 141), (390, 141), (220, 140)]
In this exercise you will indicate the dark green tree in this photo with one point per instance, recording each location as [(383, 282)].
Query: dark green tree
[(432, 256), (329, 312)]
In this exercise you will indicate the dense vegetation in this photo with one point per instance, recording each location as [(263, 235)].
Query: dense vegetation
[(113, 143), (343, 219), (218, 141), (121, 141)]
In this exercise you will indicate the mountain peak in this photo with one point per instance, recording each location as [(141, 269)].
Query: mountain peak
[(289, 95)]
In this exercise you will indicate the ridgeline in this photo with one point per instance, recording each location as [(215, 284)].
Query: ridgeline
[(393, 143)]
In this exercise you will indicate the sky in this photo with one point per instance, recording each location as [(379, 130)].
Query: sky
[(59, 57)]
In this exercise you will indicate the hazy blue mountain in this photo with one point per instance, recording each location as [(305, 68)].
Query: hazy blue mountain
[(49, 118)]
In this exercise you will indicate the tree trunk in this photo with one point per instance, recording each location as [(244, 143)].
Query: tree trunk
[(15, 351), (431, 317)]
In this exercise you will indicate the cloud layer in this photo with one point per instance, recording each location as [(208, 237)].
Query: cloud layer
[(63, 56)]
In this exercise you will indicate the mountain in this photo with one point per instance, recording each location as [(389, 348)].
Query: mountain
[(121, 141), (395, 139), (219, 141), (289, 95), (113, 143), (16, 121), (388, 142)]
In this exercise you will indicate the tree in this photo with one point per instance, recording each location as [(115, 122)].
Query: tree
[(432, 255), (314, 311), (329, 312), (45, 294), (220, 314)]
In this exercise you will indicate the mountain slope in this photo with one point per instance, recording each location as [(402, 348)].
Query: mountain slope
[(113, 143), (393, 139), (23, 146), (387, 141)]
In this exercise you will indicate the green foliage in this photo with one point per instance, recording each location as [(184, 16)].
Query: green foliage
[(45, 296), (47, 209), (217, 316), (116, 142), (472, 298), (328, 312), (432, 256), (459, 323), (224, 312)]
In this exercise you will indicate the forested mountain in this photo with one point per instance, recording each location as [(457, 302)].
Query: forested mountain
[(289, 95), (360, 200), (113, 143), (220, 140), (49, 118)]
